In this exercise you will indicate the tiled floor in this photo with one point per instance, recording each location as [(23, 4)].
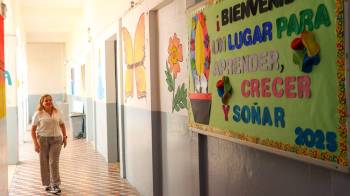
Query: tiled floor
[(11, 172), (82, 170)]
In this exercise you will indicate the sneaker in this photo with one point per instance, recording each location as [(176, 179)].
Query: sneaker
[(48, 188), (56, 189)]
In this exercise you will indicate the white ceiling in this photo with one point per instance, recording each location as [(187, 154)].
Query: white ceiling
[(53, 3), (50, 20)]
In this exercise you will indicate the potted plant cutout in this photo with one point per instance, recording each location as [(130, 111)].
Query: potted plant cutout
[(200, 66), (175, 56)]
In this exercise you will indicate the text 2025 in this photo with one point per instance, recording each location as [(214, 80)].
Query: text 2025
[(319, 139)]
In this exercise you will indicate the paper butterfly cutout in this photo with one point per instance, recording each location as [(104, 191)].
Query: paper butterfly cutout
[(134, 60)]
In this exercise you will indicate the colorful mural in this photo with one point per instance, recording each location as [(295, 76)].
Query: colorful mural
[(134, 56), (2, 68), (6, 74), (179, 100)]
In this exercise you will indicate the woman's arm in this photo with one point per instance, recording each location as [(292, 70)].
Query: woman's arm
[(35, 139), (64, 134)]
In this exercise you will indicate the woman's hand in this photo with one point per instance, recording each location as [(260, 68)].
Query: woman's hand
[(64, 134), (64, 141), (35, 139), (37, 147)]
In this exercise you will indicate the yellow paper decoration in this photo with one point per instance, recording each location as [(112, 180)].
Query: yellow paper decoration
[(199, 48)]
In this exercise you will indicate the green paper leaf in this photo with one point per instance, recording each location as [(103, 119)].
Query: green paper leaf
[(193, 64), (180, 98), (298, 57), (169, 79), (181, 105)]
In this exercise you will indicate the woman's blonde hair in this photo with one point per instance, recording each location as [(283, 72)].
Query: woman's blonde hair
[(40, 106)]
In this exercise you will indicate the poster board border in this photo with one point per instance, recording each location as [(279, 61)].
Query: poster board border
[(205, 130)]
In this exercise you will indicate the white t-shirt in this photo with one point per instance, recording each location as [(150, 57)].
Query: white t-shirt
[(47, 126)]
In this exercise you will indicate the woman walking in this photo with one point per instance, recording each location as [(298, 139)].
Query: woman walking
[(49, 134)]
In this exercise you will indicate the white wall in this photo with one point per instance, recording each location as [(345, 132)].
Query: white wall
[(11, 100), (46, 69), (102, 17), (10, 66), (101, 129), (175, 15), (3, 147), (14, 40), (15, 63), (178, 164), (3, 157)]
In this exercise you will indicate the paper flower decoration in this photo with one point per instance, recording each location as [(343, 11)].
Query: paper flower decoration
[(175, 57), (200, 53), (175, 54), (225, 91), (306, 51)]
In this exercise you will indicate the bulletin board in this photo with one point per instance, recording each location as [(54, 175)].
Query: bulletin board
[(271, 75)]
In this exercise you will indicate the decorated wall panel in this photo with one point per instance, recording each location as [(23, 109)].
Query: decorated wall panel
[(271, 74)]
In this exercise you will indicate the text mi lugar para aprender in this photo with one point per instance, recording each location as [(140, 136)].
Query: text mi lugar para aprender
[(272, 29)]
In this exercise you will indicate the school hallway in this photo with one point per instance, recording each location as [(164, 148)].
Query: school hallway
[(83, 172), (176, 97)]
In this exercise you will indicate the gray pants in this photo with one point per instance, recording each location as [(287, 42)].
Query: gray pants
[(50, 148)]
